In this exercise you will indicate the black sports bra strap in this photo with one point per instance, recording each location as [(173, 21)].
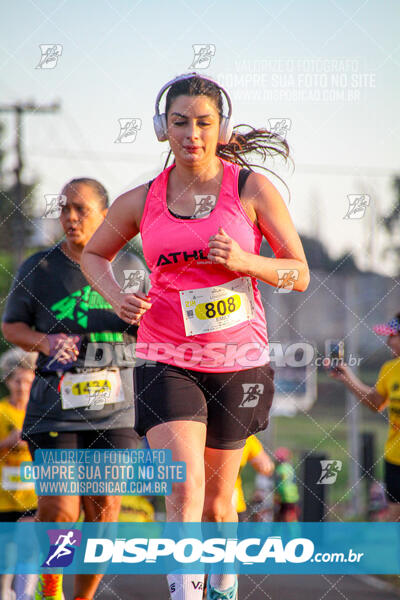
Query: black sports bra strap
[(243, 175)]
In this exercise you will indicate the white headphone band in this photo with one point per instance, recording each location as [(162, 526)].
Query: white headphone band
[(190, 76), (160, 120)]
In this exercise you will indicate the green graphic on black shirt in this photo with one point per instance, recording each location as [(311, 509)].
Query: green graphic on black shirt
[(76, 306)]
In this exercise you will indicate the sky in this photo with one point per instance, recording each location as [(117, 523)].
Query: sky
[(328, 70)]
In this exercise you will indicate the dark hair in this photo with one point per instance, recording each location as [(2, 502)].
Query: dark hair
[(96, 186), (262, 142)]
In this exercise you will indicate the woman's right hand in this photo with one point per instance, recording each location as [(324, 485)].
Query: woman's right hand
[(131, 307), (60, 345)]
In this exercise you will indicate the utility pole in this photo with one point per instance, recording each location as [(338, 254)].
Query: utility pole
[(19, 109), (371, 245), (352, 404)]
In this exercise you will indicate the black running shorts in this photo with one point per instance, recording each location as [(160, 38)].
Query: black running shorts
[(105, 439), (232, 405), (12, 516)]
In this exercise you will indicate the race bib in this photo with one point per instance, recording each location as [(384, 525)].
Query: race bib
[(91, 390), (218, 307), (11, 480)]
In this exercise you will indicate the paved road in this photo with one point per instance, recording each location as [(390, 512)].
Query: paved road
[(257, 587)]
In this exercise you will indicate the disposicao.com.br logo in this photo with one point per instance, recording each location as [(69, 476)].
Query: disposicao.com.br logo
[(249, 551)]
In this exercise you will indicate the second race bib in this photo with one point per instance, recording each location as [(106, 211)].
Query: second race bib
[(217, 307), (12, 482), (91, 390)]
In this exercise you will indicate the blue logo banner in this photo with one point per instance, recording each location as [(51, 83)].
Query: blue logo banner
[(251, 548)]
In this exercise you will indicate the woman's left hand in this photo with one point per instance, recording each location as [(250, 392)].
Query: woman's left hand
[(225, 251)]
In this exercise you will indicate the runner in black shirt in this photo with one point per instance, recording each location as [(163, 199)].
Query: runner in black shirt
[(81, 341)]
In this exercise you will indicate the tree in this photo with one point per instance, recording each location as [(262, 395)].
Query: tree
[(318, 256), (391, 223)]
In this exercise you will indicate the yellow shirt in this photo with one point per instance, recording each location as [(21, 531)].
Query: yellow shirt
[(136, 508), (388, 386), (252, 448), (15, 495)]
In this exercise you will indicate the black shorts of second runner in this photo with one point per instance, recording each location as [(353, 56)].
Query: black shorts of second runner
[(392, 481), (12, 516), (121, 438), (233, 405)]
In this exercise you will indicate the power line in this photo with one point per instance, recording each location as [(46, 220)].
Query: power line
[(335, 170), (71, 154), (365, 171)]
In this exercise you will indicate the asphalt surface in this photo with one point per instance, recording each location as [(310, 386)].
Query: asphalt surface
[(252, 587)]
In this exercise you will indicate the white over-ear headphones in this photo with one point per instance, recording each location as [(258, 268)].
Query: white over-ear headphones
[(160, 120)]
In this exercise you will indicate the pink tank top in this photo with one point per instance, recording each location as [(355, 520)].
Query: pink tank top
[(203, 316)]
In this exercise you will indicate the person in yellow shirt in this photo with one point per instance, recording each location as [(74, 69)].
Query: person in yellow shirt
[(136, 509), (386, 392), (17, 498), (253, 453)]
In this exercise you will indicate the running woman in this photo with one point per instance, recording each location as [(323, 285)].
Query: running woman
[(207, 384), (53, 309)]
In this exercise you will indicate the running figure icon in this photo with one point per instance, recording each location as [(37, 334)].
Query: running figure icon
[(62, 546)]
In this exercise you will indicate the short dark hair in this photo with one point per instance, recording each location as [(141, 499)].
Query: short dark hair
[(96, 186)]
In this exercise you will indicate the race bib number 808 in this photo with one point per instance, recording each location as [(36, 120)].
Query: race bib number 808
[(216, 308)]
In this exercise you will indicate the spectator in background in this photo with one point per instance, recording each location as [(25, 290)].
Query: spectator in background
[(253, 453), (18, 500), (286, 490), (377, 502), (386, 392)]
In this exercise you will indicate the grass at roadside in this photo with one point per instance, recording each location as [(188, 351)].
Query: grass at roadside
[(320, 434)]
